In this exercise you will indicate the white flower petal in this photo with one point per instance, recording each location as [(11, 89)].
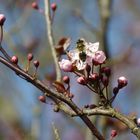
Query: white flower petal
[(80, 65), (74, 55), (92, 47)]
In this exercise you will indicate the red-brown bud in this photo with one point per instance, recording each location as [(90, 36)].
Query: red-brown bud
[(35, 6), (14, 59), (105, 81), (53, 7), (106, 70), (36, 63), (42, 99), (113, 133), (2, 19), (66, 79), (81, 80), (30, 57), (122, 82), (95, 62), (95, 76)]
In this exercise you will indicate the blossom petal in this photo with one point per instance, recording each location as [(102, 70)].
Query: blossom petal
[(99, 57), (80, 65), (66, 65), (92, 47)]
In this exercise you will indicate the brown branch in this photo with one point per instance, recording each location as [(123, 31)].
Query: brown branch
[(53, 94), (110, 112), (74, 111)]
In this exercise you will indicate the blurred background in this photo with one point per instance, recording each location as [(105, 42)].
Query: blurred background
[(22, 116)]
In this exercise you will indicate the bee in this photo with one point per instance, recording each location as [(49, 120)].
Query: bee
[(81, 48)]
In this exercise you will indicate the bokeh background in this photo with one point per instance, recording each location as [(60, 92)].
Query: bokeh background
[(22, 116)]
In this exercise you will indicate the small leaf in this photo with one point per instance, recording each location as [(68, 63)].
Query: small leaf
[(63, 45), (59, 86)]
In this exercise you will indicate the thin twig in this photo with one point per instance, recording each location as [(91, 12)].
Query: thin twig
[(55, 130), (1, 34), (51, 38)]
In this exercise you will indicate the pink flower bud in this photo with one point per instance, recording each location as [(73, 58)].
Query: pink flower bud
[(66, 79), (42, 99), (138, 121), (122, 82), (81, 80), (53, 7), (113, 133), (106, 70), (35, 5), (94, 76), (99, 57), (30, 56), (2, 19), (66, 65), (36, 63), (14, 59)]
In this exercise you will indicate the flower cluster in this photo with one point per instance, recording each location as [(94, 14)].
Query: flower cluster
[(82, 61), (86, 53)]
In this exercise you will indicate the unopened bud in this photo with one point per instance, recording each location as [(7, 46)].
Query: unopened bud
[(66, 79), (66, 65), (106, 70), (53, 7), (122, 82), (14, 59), (113, 133), (36, 63), (42, 98), (81, 80), (35, 6), (2, 19), (30, 56), (95, 76)]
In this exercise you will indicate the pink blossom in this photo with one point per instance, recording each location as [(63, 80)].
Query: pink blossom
[(65, 65), (99, 57)]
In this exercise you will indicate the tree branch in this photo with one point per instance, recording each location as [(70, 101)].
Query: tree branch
[(110, 112), (53, 94), (51, 38)]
